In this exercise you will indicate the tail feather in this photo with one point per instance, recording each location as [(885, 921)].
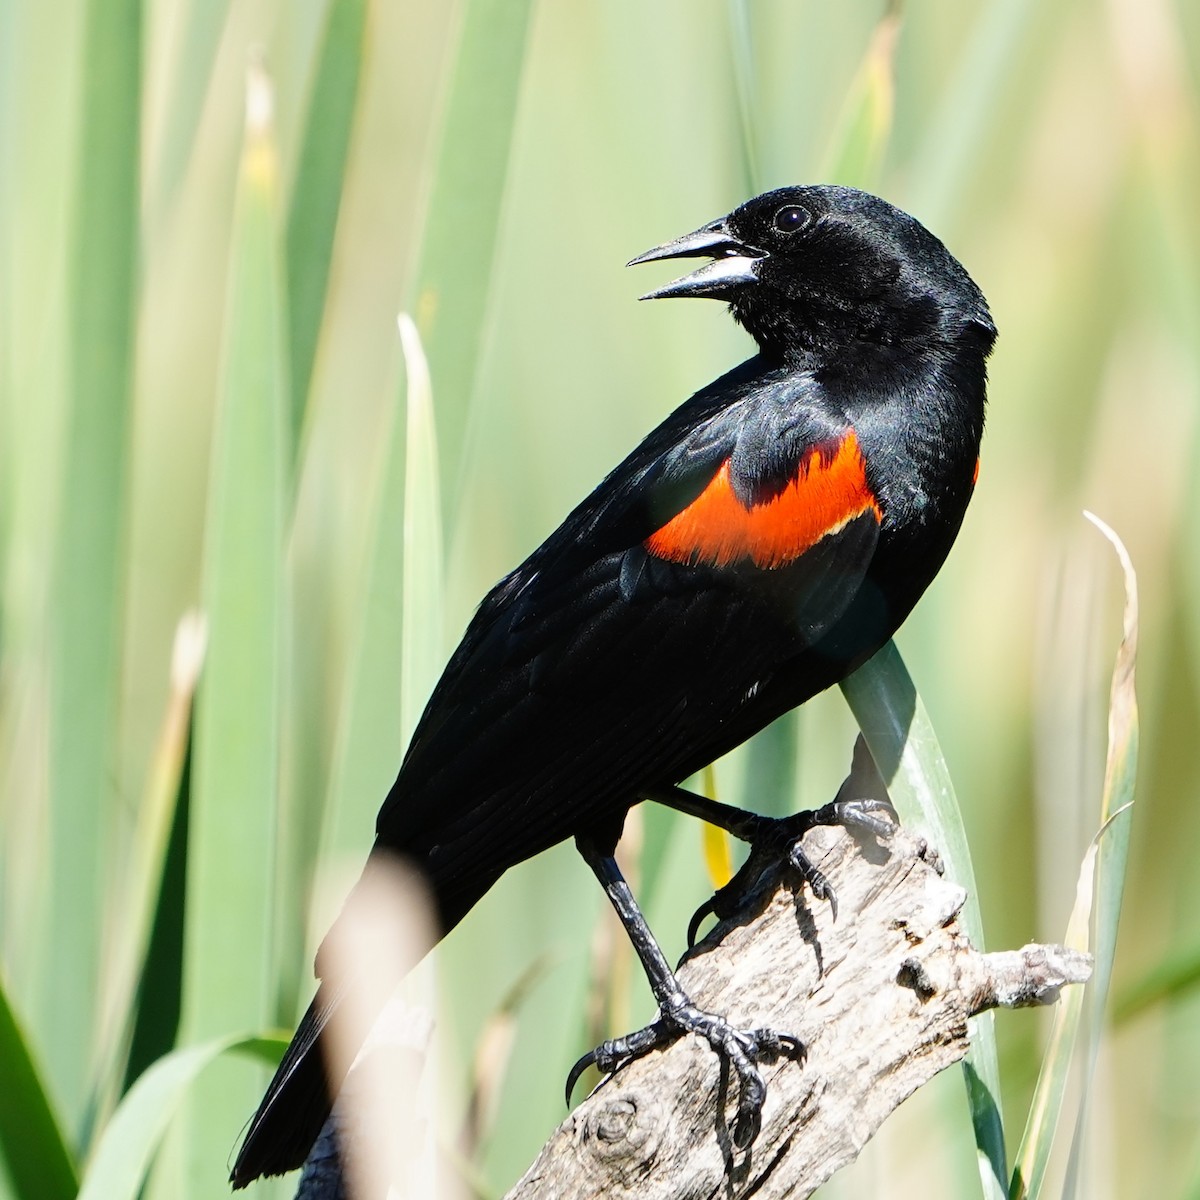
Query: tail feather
[(298, 1100), (297, 1103)]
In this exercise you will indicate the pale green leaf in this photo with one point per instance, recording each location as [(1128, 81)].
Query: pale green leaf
[(117, 1170), (465, 203), (901, 739), (1120, 774), (421, 655), (88, 589), (234, 841), (318, 186)]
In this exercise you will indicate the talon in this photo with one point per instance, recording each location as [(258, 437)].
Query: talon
[(609, 1057), (707, 909), (793, 1047), (817, 882), (782, 837), (578, 1069), (741, 1049), (748, 1125)]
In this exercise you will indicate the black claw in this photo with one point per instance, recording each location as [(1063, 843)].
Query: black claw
[(792, 1047), (609, 1057), (782, 837), (707, 909), (741, 1049), (726, 900), (747, 1127), (577, 1071), (816, 879)]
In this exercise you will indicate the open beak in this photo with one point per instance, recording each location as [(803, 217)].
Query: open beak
[(732, 265)]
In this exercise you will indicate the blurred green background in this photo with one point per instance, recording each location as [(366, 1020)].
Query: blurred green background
[(202, 407)]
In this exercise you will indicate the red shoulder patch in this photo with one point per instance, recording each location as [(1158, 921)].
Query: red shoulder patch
[(828, 490)]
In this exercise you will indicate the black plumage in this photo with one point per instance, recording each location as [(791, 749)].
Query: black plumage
[(769, 536)]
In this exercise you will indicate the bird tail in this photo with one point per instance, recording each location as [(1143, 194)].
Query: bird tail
[(297, 1103), (298, 1100)]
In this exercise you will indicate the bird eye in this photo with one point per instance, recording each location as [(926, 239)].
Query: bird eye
[(790, 218)]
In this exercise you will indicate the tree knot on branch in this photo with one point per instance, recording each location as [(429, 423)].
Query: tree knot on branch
[(880, 999)]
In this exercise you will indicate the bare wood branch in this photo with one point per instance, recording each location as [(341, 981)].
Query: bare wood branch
[(880, 998)]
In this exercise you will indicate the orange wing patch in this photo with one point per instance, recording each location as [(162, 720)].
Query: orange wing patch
[(718, 529)]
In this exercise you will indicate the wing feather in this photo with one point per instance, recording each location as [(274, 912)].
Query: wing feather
[(629, 649)]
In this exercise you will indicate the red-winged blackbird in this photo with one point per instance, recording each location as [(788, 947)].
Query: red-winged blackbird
[(759, 545)]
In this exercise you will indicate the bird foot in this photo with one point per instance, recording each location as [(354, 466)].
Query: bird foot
[(774, 838), (741, 1049)]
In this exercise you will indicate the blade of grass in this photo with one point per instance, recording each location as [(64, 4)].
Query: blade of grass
[(395, 662), (316, 192), (1046, 1105), (231, 882), (772, 757), (489, 1065), (126, 959), (1120, 772), (421, 649), (969, 114), (901, 739), (463, 214), (87, 590), (117, 1170), (185, 89), (159, 1001), (38, 163), (856, 152), (1172, 980), (318, 186), (40, 1166), (718, 853), (742, 54)]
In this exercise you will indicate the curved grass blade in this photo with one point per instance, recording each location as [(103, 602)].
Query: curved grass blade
[(463, 218), (489, 1064), (862, 135), (1173, 979), (185, 88), (1046, 1106), (970, 113), (901, 739), (152, 833), (398, 653), (421, 650), (237, 727), (117, 1170), (317, 189), (40, 1166), (87, 592), (1120, 772), (742, 52), (233, 881)]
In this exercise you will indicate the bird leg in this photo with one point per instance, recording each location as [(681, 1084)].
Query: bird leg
[(742, 1049), (772, 838)]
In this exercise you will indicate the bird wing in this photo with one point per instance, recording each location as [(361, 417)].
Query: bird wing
[(616, 656)]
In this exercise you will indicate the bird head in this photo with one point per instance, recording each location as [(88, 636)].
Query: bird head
[(814, 269)]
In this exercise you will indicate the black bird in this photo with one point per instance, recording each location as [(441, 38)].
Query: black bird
[(759, 545)]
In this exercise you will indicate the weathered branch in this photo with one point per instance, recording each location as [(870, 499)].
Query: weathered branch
[(880, 999)]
